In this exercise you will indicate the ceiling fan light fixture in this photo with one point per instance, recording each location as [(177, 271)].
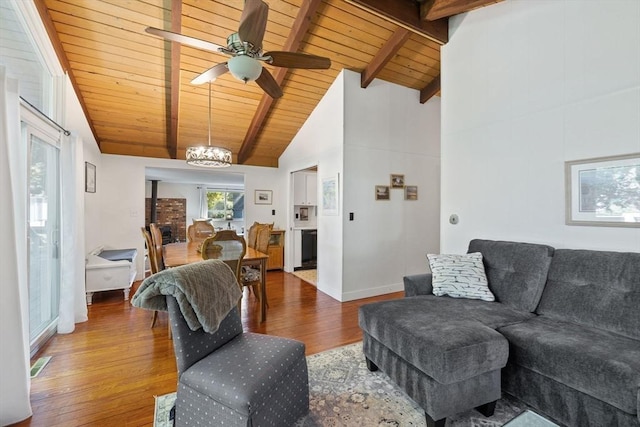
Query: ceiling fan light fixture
[(208, 156), (244, 68)]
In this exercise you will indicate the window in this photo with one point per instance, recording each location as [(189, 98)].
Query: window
[(225, 205), (26, 60)]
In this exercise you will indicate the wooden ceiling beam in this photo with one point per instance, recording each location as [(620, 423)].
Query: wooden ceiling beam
[(406, 13), (384, 55), (437, 9), (174, 100), (297, 33), (64, 61), (427, 92)]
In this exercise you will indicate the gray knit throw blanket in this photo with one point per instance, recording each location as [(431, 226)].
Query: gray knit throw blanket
[(206, 292)]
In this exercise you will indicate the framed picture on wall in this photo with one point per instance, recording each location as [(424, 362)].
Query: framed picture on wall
[(330, 195), (304, 214), (382, 192), (603, 191), (263, 197), (397, 181), (411, 192), (89, 177)]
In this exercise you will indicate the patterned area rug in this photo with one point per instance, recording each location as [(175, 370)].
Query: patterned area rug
[(310, 276), (344, 393)]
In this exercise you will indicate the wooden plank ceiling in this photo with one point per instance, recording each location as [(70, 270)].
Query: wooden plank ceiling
[(135, 88)]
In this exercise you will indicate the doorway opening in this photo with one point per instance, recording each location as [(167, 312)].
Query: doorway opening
[(305, 215)]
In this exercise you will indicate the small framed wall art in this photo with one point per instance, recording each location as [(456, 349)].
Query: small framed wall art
[(382, 192), (397, 181), (304, 214), (411, 192), (263, 197), (89, 177)]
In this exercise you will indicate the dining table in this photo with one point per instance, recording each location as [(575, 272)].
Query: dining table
[(182, 253)]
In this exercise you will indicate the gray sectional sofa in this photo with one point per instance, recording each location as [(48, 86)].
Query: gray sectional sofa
[(563, 336)]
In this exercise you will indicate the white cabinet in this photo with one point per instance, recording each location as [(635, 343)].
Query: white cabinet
[(297, 248), (305, 188), (311, 183)]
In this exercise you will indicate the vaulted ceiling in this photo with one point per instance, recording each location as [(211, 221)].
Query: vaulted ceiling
[(135, 88)]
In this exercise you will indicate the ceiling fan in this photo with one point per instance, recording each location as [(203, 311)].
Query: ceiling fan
[(245, 49)]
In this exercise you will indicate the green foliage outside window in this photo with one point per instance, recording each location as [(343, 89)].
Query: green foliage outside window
[(611, 191), (225, 204)]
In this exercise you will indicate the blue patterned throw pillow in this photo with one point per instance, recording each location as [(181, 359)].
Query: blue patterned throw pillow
[(459, 276)]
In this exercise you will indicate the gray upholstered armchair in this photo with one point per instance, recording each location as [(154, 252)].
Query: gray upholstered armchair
[(233, 378)]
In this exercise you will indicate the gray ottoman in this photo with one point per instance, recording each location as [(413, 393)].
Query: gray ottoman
[(446, 361)]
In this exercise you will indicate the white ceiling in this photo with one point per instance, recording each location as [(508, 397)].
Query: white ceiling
[(205, 177)]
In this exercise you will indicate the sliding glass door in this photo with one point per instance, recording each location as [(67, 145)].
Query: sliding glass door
[(43, 236)]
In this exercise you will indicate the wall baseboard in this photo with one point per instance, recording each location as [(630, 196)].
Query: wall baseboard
[(372, 292)]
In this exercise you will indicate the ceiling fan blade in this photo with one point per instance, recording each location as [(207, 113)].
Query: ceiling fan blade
[(297, 60), (269, 84), (253, 22), (186, 40), (211, 74)]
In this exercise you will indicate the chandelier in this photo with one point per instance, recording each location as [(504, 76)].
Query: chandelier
[(208, 156)]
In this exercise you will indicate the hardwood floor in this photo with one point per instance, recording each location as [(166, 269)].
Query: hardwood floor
[(108, 371)]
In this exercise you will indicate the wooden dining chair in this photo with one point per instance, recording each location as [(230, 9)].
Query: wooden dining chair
[(156, 238), (252, 233), (199, 231), (259, 236), (153, 262), (227, 246)]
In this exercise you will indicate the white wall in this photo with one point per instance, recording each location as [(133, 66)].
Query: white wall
[(76, 122), (388, 131), (364, 135), (320, 142), (121, 213), (528, 85)]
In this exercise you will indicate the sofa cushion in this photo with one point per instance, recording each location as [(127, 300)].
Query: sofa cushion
[(246, 370), (601, 364), (447, 345), (491, 314), (459, 276), (595, 288), (517, 272)]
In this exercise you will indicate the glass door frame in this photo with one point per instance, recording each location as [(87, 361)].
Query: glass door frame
[(32, 124)]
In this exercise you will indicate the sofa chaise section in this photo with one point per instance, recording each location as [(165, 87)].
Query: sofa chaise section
[(445, 352), (571, 319), (582, 352)]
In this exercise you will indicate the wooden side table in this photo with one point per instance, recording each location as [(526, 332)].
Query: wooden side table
[(276, 250)]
